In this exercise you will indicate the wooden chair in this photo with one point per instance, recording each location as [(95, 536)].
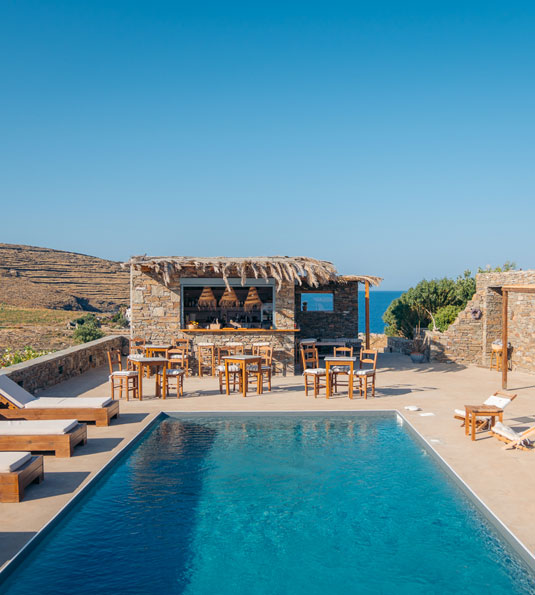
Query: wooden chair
[(311, 369), (181, 343), (230, 348), (340, 370), (234, 369), (126, 380), (499, 399), (137, 345), (172, 375), (266, 353), (366, 375), (178, 358), (206, 357)]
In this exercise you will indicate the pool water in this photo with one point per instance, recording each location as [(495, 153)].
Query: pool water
[(273, 505)]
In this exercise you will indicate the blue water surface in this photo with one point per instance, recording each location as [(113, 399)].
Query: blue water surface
[(273, 505), (379, 302)]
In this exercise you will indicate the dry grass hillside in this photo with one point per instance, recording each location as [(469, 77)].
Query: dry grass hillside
[(32, 277)]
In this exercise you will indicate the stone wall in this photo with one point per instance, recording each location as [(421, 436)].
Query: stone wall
[(156, 317), (49, 370), (282, 343), (342, 322), (469, 341), (399, 345)]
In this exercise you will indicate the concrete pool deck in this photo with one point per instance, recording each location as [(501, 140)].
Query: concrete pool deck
[(503, 479)]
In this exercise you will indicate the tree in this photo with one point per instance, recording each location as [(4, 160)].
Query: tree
[(420, 304)]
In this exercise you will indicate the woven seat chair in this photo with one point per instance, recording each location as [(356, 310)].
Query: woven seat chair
[(339, 371), (265, 351), (234, 369), (178, 357), (311, 369), (172, 375), (127, 380), (366, 374)]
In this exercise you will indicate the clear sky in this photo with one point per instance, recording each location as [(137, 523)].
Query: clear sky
[(392, 138)]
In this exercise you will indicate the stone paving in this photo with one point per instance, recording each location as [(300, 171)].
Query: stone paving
[(503, 479)]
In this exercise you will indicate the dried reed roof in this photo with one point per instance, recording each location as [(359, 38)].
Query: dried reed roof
[(292, 269)]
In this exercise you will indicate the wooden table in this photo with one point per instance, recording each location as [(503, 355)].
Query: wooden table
[(243, 361), (472, 412), (339, 361), (147, 363), (155, 350)]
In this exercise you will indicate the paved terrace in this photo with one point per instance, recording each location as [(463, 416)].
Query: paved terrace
[(503, 479)]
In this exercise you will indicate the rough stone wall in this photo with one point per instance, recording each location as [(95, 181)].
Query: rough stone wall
[(156, 317), (342, 322), (283, 346), (462, 342), (49, 370), (469, 341)]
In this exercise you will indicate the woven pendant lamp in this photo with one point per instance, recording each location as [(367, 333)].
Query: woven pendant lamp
[(229, 299), (253, 300), (207, 299)]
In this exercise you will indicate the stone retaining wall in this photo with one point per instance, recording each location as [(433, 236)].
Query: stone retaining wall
[(399, 345), (48, 370)]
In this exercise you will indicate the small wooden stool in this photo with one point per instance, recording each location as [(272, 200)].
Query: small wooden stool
[(496, 355)]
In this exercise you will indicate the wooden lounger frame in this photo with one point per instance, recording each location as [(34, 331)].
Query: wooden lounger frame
[(61, 444), (100, 415), (12, 484), (513, 443)]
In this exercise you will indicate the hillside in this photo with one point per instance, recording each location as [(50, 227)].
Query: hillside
[(43, 278)]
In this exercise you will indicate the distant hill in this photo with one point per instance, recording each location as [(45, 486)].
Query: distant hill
[(40, 277)]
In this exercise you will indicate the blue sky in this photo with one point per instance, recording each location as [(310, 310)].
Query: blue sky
[(392, 138)]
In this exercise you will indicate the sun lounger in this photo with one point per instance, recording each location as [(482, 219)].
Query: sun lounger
[(498, 399), (511, 437), (17, 471), (22, 405), (59, 435)]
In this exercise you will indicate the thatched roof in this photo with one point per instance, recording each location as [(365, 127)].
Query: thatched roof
[(373, 281), (292, 269)]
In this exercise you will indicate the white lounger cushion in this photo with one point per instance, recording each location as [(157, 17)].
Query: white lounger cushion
[(460, 412), (36, 427), (11, 461), (24, 400), (500, 402), (68, 403), (13, 392), (506, 431)]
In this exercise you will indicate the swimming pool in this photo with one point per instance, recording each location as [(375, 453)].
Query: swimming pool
[(273, 504)]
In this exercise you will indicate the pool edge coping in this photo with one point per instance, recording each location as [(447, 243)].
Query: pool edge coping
[(499, 526)]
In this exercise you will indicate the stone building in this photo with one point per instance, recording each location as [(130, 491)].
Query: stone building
[(206, 300), (469, 339)]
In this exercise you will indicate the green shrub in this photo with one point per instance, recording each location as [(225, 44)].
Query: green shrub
[(87, 332), (9, 357), (119, 320), (87, 319), (446, 316)]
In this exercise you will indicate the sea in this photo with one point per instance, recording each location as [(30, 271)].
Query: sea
[(379, 302)]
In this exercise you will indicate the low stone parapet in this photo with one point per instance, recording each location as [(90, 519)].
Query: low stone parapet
[(51, 369)]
